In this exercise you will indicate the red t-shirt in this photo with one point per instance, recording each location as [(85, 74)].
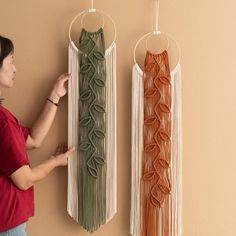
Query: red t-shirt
[(16, 206)]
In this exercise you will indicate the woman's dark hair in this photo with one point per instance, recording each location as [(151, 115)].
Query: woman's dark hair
[(6, 47)]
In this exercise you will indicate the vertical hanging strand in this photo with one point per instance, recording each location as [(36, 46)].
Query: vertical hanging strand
[(157, 3), (177, 199), (174, 157), (72, 202), (92, 130), (140, 150), (111, 178), (166, 210), (137, 149), (114, 95), (180, 154), (108, 135), (134, 156)]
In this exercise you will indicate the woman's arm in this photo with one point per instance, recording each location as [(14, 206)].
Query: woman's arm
[(25, 177), (42, 125)]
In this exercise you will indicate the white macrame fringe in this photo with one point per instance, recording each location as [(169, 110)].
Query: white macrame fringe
[(73, 124), (137, 149), (111, 151), (176, 149)]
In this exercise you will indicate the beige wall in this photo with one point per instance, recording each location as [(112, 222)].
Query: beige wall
[(206, 32)]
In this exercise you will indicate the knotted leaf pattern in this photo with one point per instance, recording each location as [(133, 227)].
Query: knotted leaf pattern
[(157, 133), (89, 94), (91, 130)]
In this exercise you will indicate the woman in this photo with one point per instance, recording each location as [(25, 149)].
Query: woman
[(16, 176)]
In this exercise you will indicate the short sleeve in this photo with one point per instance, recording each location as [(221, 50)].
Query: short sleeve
[(13, 153)]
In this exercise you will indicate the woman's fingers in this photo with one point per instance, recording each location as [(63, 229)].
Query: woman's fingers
[(64, 77), (70, 151), (62, 154), (68, 76), (63, 151)]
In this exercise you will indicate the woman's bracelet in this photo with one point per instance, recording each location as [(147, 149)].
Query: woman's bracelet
[(56, 104)]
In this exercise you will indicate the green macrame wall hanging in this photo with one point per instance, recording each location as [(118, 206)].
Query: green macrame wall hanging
[(92, 177)]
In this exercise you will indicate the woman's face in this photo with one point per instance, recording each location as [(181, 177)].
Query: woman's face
[(7, 72)]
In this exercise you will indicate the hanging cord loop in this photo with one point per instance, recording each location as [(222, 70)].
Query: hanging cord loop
[(157, 3), (156, 32), (92, 9)]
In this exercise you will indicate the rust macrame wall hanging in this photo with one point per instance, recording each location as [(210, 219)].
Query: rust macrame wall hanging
[(156, 199)]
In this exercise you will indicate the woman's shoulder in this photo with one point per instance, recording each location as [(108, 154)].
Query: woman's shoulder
[(6, 116)]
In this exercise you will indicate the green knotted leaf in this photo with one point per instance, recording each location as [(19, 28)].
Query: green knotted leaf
[(99, 82), (84, 43), (85, 121), (99, 133), (93, 171), (85, 95), (98, 108), (85, 68), (85, 146), (98, 55), (99, 160)]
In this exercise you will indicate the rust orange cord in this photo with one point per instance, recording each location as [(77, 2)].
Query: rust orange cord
[(156, 179)]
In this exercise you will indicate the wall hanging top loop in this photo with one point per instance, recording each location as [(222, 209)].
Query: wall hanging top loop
[(156, 32), (92, 10)]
